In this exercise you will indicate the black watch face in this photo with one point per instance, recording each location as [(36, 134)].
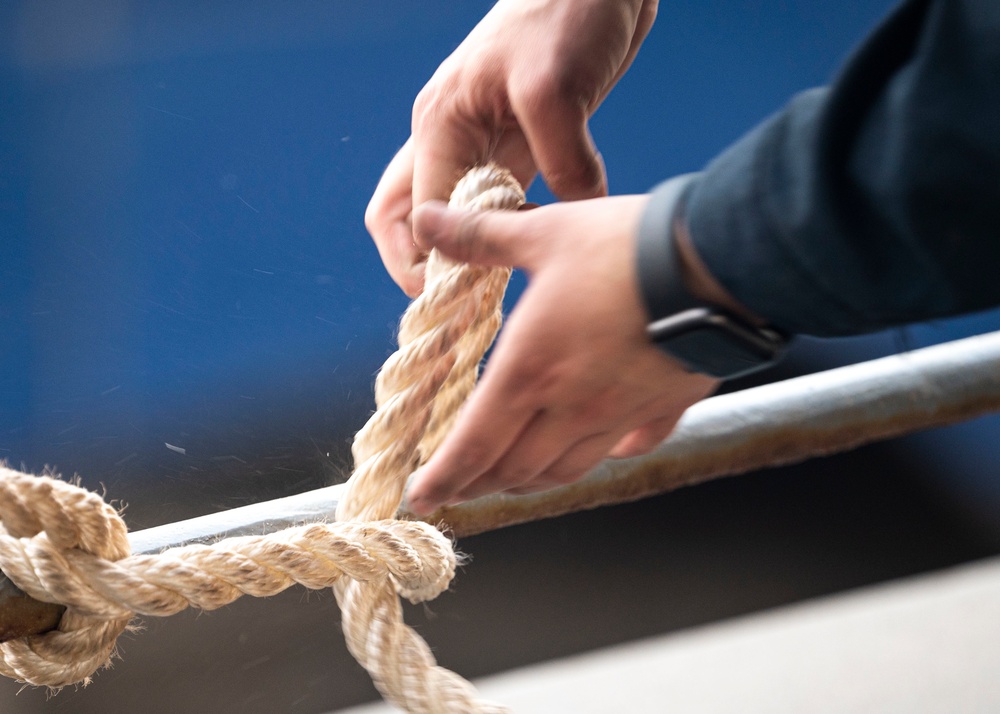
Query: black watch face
[(711, 343)]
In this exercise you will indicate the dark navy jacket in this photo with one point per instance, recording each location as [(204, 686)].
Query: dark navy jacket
[(872, 202)]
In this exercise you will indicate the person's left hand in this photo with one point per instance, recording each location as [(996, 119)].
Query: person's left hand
[(573, 377), (518, 91)]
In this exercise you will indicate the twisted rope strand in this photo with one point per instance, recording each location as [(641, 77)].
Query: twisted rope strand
[(446, 330)]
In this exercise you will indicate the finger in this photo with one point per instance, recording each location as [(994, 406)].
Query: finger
[(557, 445), (512, 152), (482, 237), (387, 219), (446, 152), (571, 466), (556, 131), (486, 428), (644, 439), (644, 23), (542, 443), (445, 148)]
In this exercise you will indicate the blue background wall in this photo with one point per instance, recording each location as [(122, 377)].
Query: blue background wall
[(183, 261)]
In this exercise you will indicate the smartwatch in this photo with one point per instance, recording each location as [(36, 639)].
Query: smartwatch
[(703, 337)]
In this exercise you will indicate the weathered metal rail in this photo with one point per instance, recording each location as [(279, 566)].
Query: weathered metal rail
[(774, 424)]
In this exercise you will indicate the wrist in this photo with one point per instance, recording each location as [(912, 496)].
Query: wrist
[(692, 317), (698, 281)]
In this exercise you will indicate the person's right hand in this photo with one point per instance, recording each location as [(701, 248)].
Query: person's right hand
[(518, 91)]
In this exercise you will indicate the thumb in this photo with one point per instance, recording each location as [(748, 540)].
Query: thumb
[(481, 237)]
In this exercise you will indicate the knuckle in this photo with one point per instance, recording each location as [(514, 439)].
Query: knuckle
[(570, 87), (553, 85), (438, 97), (425, 98), (598, 411), (530, 390), (427, 105), (543, 380)]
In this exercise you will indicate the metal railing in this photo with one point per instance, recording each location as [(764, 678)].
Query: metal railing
[(775, 424)]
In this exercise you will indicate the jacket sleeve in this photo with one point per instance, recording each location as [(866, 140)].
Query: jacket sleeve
[(875, 201)]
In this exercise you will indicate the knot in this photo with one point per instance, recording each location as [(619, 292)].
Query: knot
[(41, 521), (62, 544), (414, 556)]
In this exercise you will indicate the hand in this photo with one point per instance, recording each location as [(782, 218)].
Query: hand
[(518, 91), (573, 377)]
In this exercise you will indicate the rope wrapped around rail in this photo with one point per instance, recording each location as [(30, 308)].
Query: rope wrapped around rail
[(60, 543)]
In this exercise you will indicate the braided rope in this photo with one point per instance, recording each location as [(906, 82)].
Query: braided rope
[(60, 543)]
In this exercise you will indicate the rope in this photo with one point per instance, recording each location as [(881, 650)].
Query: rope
[(60, 543), (442, 338), (40, 520)]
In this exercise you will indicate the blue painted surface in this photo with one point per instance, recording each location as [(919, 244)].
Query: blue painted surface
[(182, 188)]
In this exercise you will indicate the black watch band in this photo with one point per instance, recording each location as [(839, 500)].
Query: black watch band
[(703, 337)]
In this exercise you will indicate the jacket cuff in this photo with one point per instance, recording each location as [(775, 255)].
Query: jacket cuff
[(657, 265)]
